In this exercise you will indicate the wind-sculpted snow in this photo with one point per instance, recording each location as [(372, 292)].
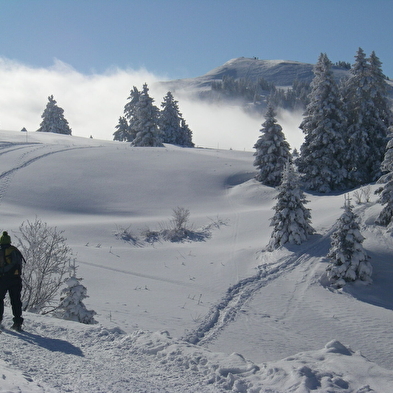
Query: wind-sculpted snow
[(56, 357)]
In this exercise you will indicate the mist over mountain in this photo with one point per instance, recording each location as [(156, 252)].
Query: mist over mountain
[(282, 73), (252, 81)]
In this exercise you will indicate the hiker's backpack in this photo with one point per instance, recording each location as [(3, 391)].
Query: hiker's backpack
[(10, 261)]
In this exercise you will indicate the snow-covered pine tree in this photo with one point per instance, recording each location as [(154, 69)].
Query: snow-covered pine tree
[(185, 138), (272, 151), (348, 259), (121, 134), (170, 119), (385, 217), (71, 305), (53, 119), (173, 126), (130, 113), (367, 128), (321, 160), (292, 221), (383, 115), (146, 124)]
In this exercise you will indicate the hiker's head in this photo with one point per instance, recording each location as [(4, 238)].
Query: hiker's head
[(5, 238)]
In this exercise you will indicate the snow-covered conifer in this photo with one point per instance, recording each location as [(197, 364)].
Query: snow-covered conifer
[(292, 221), (321, 162), (147, 132), (121, 133), (385, 217), (130, 113), (172, 123), (348, 259), (272, 151), (185, 137), (71, 306), (53, 119), (367, 120)]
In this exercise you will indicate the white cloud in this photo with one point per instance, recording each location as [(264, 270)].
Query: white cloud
[(93, 103)]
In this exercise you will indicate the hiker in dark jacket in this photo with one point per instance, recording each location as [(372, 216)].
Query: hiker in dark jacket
[(10, 279)]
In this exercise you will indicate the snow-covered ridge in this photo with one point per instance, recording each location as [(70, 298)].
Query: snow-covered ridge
[(280, 72)]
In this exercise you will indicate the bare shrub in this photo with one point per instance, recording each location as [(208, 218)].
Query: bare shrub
[(127, 235), (48, 260), (361, 194)]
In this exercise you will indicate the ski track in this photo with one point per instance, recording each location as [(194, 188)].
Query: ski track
[(21, 161), (221, 314), (149, 276)]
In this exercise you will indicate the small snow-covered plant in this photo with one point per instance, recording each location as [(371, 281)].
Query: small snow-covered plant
[(178, 229), (180, 218), (348, 260), (127, 235), (71, 305)]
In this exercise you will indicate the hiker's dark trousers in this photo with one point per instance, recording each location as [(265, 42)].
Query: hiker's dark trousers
[(12, 285)]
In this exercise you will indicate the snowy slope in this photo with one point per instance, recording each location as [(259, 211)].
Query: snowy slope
[(210, 316)]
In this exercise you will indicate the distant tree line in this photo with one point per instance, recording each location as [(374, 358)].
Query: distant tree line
[(257, 92)]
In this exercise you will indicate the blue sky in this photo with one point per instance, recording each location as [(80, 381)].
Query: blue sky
[(183, 38), (88, 54)]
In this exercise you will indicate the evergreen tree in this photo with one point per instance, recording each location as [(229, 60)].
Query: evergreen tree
[(291, 221), (53, 119), (170, 119), (367, 124), (130, 113), (71, 305), (185, 138), (349, 261), (321, 162), (272, 151), (175, 130), (146, 123), (122, 132), (385, 217)]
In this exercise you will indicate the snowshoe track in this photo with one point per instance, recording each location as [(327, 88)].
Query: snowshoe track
[(221, 314)]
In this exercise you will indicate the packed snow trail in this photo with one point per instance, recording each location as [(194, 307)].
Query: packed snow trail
[(94, 359)]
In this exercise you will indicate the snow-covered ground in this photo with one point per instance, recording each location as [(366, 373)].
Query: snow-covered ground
[(215, 315)]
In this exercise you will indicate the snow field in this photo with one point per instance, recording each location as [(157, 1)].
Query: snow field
[(280, 328)]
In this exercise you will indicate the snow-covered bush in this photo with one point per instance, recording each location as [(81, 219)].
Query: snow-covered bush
[(176, 230), (292, 220), (47, 258), (348, 259), (71, 305)]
